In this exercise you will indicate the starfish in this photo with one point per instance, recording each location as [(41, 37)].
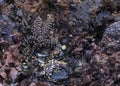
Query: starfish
[(42, 35)]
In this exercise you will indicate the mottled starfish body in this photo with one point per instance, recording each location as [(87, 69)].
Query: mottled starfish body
[(42, 36)]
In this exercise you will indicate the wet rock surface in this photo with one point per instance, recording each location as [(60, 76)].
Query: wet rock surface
[(59, 42), (111, 37)]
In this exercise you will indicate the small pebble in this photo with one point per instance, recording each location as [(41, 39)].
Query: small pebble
[(63, 47), (56, 52), (24, 65), (59, 75), (40, 60), (33, 84), (13, 73), (3, 74)]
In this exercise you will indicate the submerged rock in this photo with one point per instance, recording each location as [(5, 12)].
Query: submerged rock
[(1, 2), (6, 28), (113, 31), (111, 37)]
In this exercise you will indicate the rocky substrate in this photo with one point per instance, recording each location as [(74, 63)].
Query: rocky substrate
[(59, 42)]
